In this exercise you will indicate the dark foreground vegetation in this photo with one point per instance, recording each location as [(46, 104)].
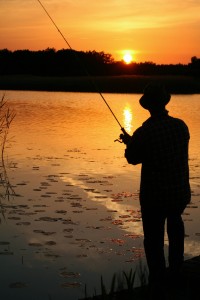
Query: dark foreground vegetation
[(186, 287), (104, 84), (70, 70)]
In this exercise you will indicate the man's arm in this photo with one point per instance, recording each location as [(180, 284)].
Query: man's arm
[(134, 148)]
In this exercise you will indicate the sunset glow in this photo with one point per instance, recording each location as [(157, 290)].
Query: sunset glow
[(128, 58), (151, 28)]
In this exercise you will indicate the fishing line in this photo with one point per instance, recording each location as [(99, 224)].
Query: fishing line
[(87, 73)]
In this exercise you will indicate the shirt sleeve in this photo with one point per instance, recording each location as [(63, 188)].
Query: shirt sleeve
[(134, 150)]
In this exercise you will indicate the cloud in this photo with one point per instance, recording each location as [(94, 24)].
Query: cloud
[(116, 15), (126, 15)]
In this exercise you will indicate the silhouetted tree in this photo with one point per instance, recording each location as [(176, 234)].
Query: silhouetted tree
[(68, 62), (194, 66)]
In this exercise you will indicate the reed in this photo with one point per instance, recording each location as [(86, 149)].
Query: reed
[(6, 118), (123, 285)]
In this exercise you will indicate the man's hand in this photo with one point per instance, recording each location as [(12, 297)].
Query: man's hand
[(125, 137)]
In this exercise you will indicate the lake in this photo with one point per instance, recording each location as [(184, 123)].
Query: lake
[(73, 213)]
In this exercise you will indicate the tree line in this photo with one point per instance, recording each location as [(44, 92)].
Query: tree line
[(67, 62)]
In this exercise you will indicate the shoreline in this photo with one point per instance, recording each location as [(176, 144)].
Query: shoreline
[(95, 84), (184, 288)]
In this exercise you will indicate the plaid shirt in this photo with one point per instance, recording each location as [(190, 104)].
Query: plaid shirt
[(161, 145)]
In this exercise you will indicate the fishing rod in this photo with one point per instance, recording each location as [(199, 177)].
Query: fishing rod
[(87, 73)]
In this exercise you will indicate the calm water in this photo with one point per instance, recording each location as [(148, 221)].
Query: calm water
[(75, 213)]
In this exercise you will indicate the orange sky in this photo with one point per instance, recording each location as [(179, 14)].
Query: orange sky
[(161, 31)]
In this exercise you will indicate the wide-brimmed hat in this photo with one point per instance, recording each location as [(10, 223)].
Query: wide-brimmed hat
[(155, 96)]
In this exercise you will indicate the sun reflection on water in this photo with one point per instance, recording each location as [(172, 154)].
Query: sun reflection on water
[(128, 117)]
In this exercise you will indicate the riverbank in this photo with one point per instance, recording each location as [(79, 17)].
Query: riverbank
[(187, 288), (104, 84)]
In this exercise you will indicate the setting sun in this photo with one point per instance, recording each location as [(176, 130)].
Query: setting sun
[(128, 58)]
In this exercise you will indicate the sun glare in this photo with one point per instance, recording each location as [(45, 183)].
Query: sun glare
[(128, 117), (127, 57)]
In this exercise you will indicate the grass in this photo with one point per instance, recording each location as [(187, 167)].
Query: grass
[(123, 286)]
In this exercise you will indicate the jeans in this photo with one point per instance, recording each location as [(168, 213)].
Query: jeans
[(154, 228)]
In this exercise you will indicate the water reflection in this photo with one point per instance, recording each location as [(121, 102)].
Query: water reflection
[(77, 204), (128, 116), (6, 190), (120, 213)]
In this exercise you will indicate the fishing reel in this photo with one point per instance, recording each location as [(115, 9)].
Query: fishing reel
[(120, 139), (124, 137)]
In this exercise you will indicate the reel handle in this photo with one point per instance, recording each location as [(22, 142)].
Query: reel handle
[(124, 137)]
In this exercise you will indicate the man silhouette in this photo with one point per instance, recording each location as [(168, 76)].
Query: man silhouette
[(161, 146)]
